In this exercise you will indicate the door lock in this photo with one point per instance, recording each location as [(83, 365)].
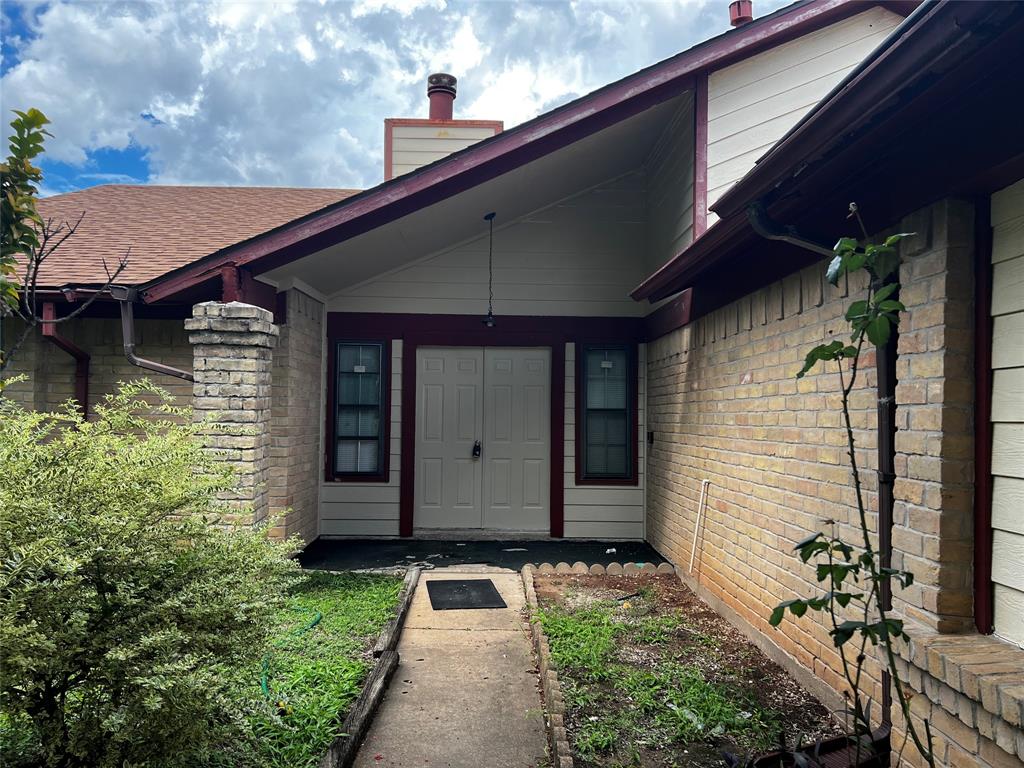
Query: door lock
[(476, 450)]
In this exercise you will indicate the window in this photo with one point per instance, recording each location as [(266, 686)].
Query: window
[(359, 412), (606, 439)]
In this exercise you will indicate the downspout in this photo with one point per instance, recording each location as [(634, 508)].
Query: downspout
[(885, 369), (51, 334), (769, 229), (126, 297)]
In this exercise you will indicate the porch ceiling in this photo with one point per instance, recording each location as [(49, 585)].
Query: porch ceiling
[(604, 155)]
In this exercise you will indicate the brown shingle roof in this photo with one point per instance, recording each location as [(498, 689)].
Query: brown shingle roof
[(164, 226)]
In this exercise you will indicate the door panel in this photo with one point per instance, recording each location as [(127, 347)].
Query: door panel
[(449, 414), (516, 444)]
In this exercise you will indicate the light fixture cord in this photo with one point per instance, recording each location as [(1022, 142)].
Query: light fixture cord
[(490, 265)]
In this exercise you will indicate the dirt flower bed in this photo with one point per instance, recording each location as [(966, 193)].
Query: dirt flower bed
[(653, 677)]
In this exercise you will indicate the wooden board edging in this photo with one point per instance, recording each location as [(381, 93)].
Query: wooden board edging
[(343, 750), (388, 640)]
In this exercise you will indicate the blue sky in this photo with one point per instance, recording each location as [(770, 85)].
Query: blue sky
[(267, 93)]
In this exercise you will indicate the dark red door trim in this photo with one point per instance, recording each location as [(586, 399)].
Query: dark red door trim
[(983, 599), (407, 494)]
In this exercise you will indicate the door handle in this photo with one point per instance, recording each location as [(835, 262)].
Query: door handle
[(476, 450)]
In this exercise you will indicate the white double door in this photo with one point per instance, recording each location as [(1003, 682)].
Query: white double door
[(483, 438)]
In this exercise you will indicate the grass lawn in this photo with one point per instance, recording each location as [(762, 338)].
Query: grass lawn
[(318, 663), (653, 677)]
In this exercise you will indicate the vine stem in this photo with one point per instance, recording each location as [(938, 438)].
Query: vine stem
[(925, 749)]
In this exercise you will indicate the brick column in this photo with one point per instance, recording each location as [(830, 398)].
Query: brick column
[(232, 348), (933, 518)]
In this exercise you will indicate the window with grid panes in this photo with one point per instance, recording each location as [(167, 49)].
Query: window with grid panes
[(607, 453), (359, 403)]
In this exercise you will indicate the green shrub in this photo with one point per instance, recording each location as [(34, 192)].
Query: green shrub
[(125, 614)]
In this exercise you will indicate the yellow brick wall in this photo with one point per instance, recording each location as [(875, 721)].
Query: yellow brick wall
[(724, 405), (51, 371), (296, 464)]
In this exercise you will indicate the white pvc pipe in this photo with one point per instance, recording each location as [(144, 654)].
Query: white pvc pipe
[(700, 511)]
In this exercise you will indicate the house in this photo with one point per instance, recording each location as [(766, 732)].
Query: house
[(628, 325)]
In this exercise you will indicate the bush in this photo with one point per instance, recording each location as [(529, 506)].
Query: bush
[(125, 614)]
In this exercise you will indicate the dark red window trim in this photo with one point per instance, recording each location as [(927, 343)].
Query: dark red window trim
[(383, 474), (633, 400)]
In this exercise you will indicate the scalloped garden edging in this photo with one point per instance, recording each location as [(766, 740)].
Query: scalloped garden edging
[(342, 752), (551, 687)]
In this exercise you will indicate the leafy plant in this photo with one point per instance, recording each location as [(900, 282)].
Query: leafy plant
[(854, 575), (20, 222), (27, 239), (126, 613)]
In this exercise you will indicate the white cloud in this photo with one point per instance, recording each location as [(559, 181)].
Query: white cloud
[(295, 93)]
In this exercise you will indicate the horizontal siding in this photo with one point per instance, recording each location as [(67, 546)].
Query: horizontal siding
[(578, 257), (602, 512), (670, 189), (1008, 411), (413, 146), (753, 103), (369, 509)]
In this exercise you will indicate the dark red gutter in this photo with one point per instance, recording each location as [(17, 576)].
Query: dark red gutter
[(508, 150), (938, 38), (80, 355), (935, 31)]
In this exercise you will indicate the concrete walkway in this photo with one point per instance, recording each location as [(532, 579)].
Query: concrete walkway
[(465, 694)]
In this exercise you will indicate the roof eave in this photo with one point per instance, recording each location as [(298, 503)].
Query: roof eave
[(509, 149)]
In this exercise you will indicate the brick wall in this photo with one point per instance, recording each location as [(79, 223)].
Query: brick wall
[(724, 405), (296, 461), (51, 371)]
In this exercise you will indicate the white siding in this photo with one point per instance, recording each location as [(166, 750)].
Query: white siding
[(368, 509), (580, 256), (1008, 410), (670, 189), (753, 103), (603, 512), (413, 146)]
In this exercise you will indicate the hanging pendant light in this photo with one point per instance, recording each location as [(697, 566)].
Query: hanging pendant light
[(489, 320)]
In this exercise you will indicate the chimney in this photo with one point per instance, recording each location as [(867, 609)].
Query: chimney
[(741, 12), (441, 92), (411, 143)]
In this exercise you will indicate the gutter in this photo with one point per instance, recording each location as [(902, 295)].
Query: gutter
[(126, 297), (81, 357)]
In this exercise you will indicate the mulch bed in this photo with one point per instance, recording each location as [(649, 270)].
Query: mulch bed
[(665, 634)]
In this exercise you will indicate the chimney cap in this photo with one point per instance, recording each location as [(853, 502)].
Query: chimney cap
[(741, 12), (441, 82)]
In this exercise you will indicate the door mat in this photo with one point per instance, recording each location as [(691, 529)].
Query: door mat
[(457, 594)]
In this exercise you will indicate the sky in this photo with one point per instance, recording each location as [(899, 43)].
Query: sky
[(295, 94)]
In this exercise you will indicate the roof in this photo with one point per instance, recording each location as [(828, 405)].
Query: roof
[(512, 148), (928, 115), (164, 227)]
